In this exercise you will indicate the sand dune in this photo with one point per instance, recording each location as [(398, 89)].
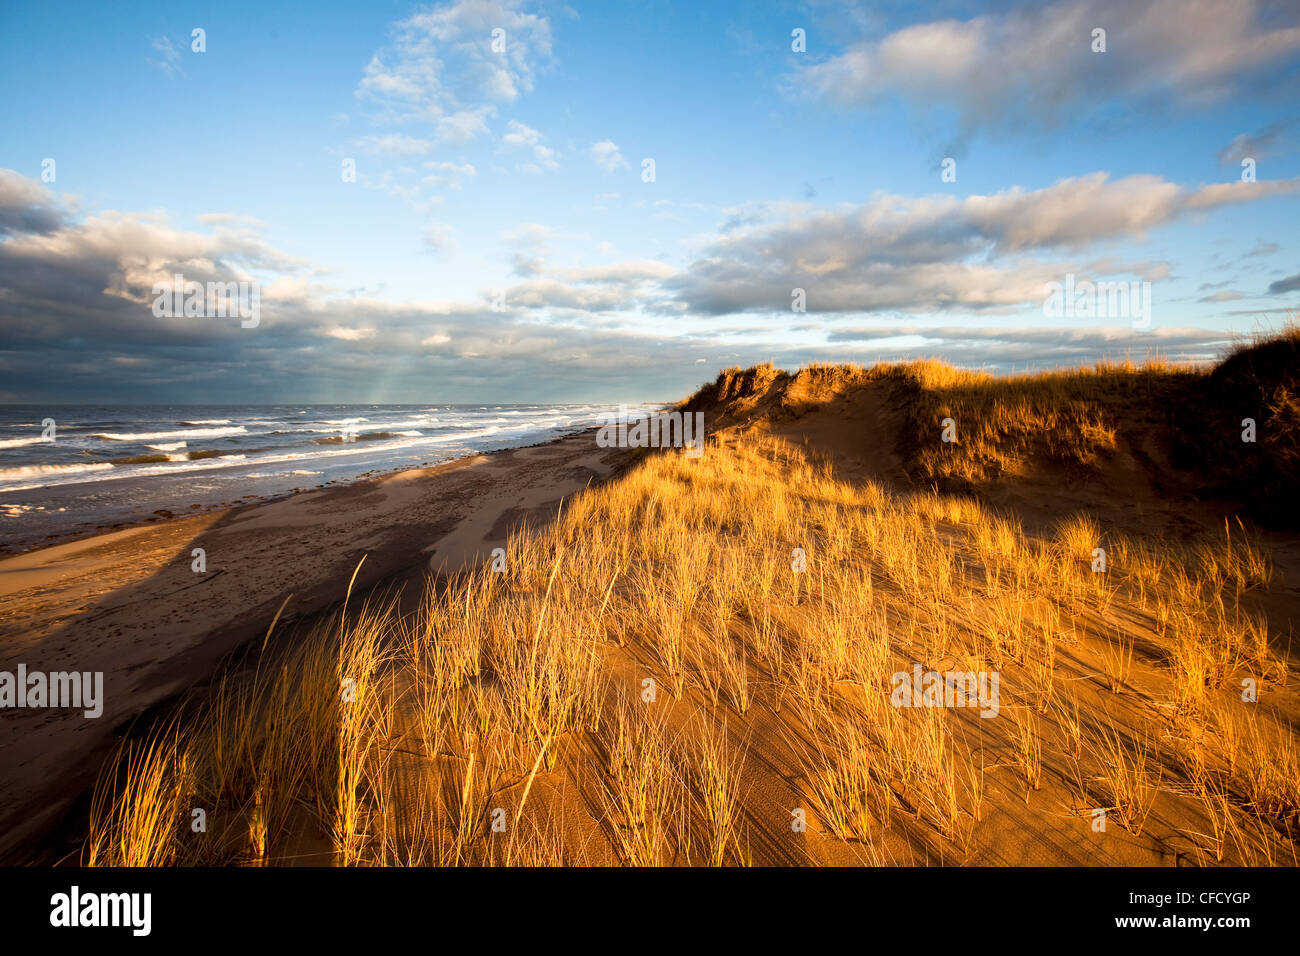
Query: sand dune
[(700, 660)]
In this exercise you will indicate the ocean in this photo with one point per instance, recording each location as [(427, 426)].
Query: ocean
[(115, 464)]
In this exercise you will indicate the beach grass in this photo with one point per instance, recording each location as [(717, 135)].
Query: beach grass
[(697, 663)]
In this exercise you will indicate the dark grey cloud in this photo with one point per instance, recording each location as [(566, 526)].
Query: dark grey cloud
[(77, 323), (27, 207), (1262, 248), (1256, 146), (1289, 284)]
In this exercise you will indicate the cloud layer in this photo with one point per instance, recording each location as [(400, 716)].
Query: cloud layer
[(1035, 65), (76, 294), (943, 252)]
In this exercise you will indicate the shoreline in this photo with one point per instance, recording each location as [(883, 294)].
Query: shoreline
[(162, 516), (127, 602)]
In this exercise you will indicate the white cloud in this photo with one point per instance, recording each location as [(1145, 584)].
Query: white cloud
[(230, 219), (463, 126), (394, 144), (607, 156), (351, 335), (618, 272), (519, 134), (1045, 345), (440, 235), (546, 157), (535, 235), (169, 58), (441, 65), (942, 252), (1036, 62), (447, 175)]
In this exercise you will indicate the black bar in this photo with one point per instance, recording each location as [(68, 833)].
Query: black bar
[(299, 906)]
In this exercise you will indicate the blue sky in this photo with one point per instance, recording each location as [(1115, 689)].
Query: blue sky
[(514, 176)]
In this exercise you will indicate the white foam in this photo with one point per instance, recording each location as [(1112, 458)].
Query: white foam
[(280, 474), (38, 471), (19, 442), (184, 433), (460, 432)]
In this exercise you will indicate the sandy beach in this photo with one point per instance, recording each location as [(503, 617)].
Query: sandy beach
[(128, 603)]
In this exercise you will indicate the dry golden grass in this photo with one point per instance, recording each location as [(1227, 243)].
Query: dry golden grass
[(138, 823), (505, 724), (1068, 417), (1130, 777)]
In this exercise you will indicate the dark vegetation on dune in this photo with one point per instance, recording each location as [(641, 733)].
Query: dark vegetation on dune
[(1180, 427), (1260, 382)]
